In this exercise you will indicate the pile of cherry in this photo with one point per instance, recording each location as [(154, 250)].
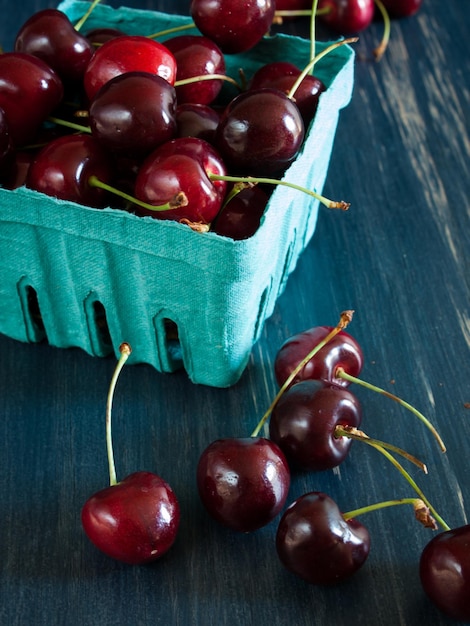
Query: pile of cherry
[(110, 119), (243, 482)]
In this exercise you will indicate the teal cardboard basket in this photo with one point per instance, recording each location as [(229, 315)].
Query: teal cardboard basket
[(93, 278)]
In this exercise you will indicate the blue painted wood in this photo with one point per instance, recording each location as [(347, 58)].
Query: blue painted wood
[(399, 257)]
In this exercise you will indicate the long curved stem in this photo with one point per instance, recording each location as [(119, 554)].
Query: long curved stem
[(422, 512), (84, 18), (125, 351)]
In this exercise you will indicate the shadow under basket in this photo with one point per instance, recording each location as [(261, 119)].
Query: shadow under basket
[(94, 278)]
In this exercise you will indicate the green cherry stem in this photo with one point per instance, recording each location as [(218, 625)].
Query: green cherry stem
[(422, 512), (379, 51), (313, 22), (345, 319), (340, 373), (125, 351), (309, 67), (78, 127), (408, 478), (179, 200), (84, 18), (330, 204), (354, 433), (197, 79), (172, 31)]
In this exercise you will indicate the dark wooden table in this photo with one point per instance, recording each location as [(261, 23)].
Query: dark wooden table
[(400, 258)]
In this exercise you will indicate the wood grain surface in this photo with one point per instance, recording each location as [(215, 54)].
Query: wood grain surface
[(400, 258)]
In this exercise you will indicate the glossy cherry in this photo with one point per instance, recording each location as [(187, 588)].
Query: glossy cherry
[(30, 90), (303, 424), (133, 113), (6, 145), (341, 351), (196, 120), (62, 168), (254, 143), (235, 26), (293, 5), (50, 35), (243, 482), (196, 56), (136, 519), (316, 543), (128, 53), (240, 218), (444, 570), (347, 16), (402, 8)]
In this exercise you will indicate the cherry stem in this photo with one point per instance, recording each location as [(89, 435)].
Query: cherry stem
[(171, 31), (301, 12), (179, 200), (84, 18), (330, 204), (312, 31), (354, 433), (197, 79), (340, 373), (410, 480), (309, 67), (345, 319), (380, 50), (125, 351), (422, 512), (80, 128)]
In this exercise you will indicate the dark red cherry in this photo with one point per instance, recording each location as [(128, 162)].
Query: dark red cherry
[(62, 169), (134, 521), (51, 36), (303, 424), (6, 145), (235, 26), (402, 8), (316, 543), (240, 218), (347, 16), (444, 570), (196, 56), (282, 75), (293, 5), (29, 92), (254, 143), (129, 53), (133, 113), (243, 482), (342, 351), (97, 36), (196, 120)]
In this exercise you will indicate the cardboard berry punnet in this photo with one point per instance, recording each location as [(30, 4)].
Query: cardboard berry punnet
[(93, 278)]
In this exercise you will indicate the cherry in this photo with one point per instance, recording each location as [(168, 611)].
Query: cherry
[(135, 520), (98, 36), (293, 5), (196, 56), (255, 143), (128, 53), (315, 542), (282, 75), (444, 570), (341, 351), (6, 146), (243, 482), (402, 8), (235, 26), (196, 120), (304, 420), (63, 167), (241, 216), (29, 91), (133, 113), (346, 16), (51, 36)]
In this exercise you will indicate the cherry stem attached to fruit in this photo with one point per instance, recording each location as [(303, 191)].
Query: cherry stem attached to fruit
[(125, 351), (345, 319), (340, 373), (407, 477), (78, 127), (172, 31), (84, 18), (330, 204), (309, 67), (354, 433), (313, 22), (379, 51), (179, 200), (421, 510), (197, 79)]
